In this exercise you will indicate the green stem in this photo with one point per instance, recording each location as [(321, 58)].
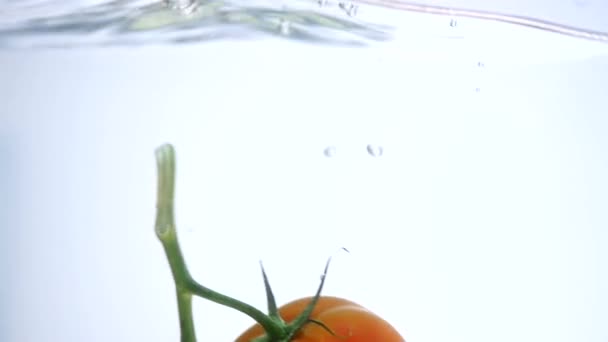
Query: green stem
[(270, 326), (185, 285), (165, 230), (186, 322), (165, 164)]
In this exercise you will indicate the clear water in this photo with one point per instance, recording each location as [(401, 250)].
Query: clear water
[(459, 155)]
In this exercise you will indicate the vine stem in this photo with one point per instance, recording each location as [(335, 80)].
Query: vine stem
[(185, 285), (166, 232)]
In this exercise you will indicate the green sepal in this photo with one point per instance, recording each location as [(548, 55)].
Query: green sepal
[(304, 317), (273, 312)]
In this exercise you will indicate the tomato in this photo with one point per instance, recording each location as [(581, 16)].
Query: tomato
[(348, 321)]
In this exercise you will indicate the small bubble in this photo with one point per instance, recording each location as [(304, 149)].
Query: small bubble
[(186, 6), (375, 151), (284, 27), (330, 151), (349, 8)]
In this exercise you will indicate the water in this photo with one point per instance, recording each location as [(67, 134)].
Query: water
[(130, 22), (459, 156), (137, 22)]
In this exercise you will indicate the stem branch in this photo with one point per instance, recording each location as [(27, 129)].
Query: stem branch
[(185, 285)]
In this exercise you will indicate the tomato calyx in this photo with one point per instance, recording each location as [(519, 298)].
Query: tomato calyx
[(292, 328), (276, 329)]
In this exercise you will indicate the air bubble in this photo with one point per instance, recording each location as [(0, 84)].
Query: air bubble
[(284, 27), (374, 150), (349, 8), (186, 6), (330, 151)]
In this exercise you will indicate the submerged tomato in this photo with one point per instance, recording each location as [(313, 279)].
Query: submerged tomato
[(349, 322)]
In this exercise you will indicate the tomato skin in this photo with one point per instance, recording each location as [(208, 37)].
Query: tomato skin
[(349, 321)]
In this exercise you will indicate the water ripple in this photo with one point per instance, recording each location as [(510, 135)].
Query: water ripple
[(43, 23), (129, 22)]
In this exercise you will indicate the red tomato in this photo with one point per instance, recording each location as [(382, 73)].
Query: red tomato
[(349, 321)]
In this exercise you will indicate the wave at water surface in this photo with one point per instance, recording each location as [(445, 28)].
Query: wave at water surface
[(136, 22), (132, 22)]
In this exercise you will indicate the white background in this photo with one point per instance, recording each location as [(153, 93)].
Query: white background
[(483, 220)]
